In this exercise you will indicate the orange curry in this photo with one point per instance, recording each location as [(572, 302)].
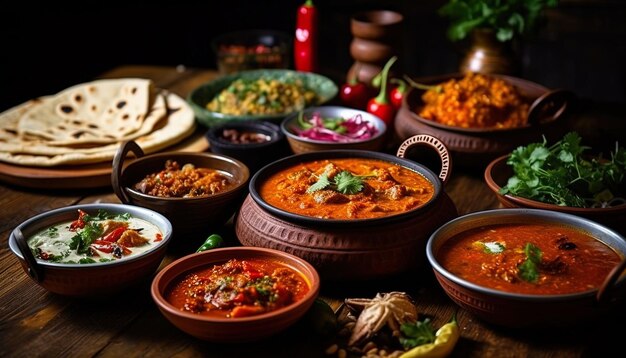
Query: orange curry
[(347, 188)]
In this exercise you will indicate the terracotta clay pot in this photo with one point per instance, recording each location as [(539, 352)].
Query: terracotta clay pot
[(357, 249)]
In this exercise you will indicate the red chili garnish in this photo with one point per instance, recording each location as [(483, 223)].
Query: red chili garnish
[(114, 235), (79, 223), (159, 237), (305, 43), (104, 246), (380, 105)]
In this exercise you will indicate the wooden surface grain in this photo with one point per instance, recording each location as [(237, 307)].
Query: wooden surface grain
[(34, 322)]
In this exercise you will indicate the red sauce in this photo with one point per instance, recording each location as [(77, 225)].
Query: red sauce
[(238, 288), (493, 256)]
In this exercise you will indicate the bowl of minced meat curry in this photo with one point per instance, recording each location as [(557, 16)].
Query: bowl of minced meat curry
[(198, 192), (353, 214), (268, 94), (482, 116)]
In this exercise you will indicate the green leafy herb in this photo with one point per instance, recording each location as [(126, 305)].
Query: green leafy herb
[(505, 17), (560, 174), (81, 241), (529, 269), (344, 182), (104, 215), (417, 333), (493, 247), (86, 260), (52, 232)]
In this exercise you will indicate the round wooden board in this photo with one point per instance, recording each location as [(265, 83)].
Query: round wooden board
[(82, 176)]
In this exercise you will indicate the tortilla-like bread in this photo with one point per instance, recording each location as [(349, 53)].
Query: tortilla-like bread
[(178, 124), (103, 111)]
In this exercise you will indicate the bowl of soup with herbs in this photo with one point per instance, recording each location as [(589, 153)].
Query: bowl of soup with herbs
[(520, 267), (91, 249)]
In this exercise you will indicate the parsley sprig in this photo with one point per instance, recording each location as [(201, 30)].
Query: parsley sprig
[(529, 269), (344, 182), (562, 174)]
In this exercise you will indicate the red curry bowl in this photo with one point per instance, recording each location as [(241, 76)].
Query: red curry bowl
[(243, 329), (523, 310)]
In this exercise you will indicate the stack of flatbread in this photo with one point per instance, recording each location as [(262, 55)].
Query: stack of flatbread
[(86, 123)]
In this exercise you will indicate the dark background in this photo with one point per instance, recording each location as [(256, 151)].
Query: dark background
[(47, 47)]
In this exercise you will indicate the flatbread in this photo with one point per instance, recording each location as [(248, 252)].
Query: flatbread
[(103, 111), (177, 124)]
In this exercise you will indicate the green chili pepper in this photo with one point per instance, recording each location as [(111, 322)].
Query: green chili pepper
[(212, 242)]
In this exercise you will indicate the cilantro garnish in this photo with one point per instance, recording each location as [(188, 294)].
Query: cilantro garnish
[(529, 269), (344, 182), (417, 334), (493, 247)]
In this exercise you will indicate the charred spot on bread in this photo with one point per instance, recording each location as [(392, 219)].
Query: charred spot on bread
[(67, 108), (78, 98), (125, 116), (78, 134), (133, 90), (93, 126), (94, 107), (121, 104)]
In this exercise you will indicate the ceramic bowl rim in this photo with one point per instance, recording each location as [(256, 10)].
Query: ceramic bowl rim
[(378, 123), (558, 218), (132, 209), (264, 172), (162, 303), (221, 157)]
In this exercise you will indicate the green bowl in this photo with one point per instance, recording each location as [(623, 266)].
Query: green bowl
[(324, 87)]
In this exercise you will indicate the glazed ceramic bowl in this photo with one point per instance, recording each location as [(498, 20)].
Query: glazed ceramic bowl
[(324, 88), (298, 144), (478, 146), (242, 329), (192, 218), (522, 310), (230, 139), (95, 279), (251, 50), (358, 249), (498, 173)]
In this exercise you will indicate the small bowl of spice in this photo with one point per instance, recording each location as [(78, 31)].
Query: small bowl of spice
[(252, 142), (333, 127)]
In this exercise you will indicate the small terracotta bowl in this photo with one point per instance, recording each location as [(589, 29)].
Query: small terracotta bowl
[(522, 310), (93, 279), (253, 154), (242, 329), (289, 127), (498, 173), (192, 218)]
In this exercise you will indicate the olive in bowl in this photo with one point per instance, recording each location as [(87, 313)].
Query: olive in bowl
[(255, 143), (198, 192), (529, 267), (91, 249), (235, 313), (333, 127)]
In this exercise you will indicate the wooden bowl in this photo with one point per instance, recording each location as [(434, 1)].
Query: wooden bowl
[(304, 145), (477, 146), (359, 249), (242, 329), (498, 173), (524, 310), (95, 279), (192, 218)]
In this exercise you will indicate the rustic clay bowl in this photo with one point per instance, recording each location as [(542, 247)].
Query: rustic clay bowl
[(253, 155), (303, 145), (94, 279), (498, 173), (192, 218), (472, 146), (522, 310), (228, 329), (349, 249)]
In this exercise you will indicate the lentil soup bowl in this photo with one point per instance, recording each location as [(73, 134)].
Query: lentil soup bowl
[(348, 248)]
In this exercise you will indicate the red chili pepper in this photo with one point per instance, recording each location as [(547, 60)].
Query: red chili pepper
[(397, 93), (354, 93), (114, 235), (159, 237), (104, 246), (380, 105), (305, 43), (79, 223)]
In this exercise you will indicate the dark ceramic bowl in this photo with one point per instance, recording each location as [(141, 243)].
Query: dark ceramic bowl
[(192, 218), (289, 127), (242, 329), (342, 250), (478, 146), (251, 50), (254, 154), (95, 279), (498, 173), (520, 310), (324, 87)]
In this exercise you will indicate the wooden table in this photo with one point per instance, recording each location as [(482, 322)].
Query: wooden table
[(34, 322)]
